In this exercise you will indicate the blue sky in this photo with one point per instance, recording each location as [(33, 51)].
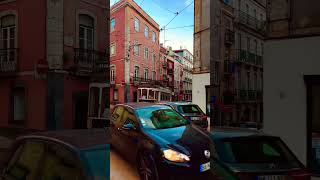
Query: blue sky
[(159, 10)]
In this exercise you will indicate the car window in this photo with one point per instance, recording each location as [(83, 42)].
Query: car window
[(61, 164), (160, 117), (129, 118), (189, 109), (117, 113), (255, 150), (25, 162)]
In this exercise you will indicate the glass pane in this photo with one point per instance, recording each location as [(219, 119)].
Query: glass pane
[(94, 101), (86, 20), (81, 32), (19, 105), (8, 21), (104, 103), (81, 44), (12, 32)]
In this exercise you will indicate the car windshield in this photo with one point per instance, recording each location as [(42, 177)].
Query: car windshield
[(189, 109), (160, 117), (96, 161), (255, 150)]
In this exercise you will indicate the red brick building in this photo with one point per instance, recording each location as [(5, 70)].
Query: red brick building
[(53, 63), (134, 51)]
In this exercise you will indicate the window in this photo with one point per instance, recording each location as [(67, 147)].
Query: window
[(61, 163), (255, 81), (255, 47), (113, 49), (113, 73), (146, 31), (248, 44), (248, 80), (262, 49), (239, 41), (117, 115), (136, 49), (19, 104), (8, 30), (112, 24), (146, 53), (153, 36), (261, 17), (247, 11), (154, 75), (26, 161), (86, 32), (136, 71), (115, 95), (255, 13), (146, 74), (136, 24), (216, 72), (154, 61)]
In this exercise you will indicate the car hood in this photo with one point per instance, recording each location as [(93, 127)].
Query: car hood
[(187, 139)]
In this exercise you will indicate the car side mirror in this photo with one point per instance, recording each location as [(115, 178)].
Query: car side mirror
[(128, 127)]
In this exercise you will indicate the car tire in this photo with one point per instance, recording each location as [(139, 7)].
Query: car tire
[(147, 168)]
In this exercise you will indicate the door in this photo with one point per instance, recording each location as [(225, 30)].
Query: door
[(129, 133), (99, 102), (80, 110)]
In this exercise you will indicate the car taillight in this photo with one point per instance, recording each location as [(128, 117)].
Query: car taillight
[(303, 174), (244, 176)]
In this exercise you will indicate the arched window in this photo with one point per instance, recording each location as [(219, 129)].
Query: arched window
[(86, 32), (8, 31)]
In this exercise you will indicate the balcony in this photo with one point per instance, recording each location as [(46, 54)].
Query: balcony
[(228, 68), (251, 22), (170, 72), (188, 91), (248, 96), (165, 65), (243, 56), (229, 37), (8, 60), (148, 82), (90, 61)]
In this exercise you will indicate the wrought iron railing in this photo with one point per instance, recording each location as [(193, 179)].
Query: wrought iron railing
[(91, 60), (251, 22), (8, 60), (248, 95), (244, 56)]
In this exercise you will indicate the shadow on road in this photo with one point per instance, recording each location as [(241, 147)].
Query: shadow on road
[(120, 169)]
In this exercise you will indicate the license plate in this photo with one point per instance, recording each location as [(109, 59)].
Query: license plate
[(195, 118), (205, 167), (272, 177)]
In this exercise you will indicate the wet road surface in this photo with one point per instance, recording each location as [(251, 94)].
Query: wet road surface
[(120, 169)]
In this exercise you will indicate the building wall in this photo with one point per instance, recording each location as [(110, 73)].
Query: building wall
[(199, 90), (286, 62)]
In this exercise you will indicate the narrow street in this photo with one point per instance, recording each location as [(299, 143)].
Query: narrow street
[(120, 169)]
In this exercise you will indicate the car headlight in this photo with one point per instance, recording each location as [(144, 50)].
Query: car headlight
[(175, 156)]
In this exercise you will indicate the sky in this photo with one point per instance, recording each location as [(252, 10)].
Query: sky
[(162, 11)]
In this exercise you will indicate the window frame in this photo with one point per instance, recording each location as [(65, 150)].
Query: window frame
[(85, 35), (146, 31), (113, 72), (113, 27), (136, 24), (113, 44), (154, 36), (12, 111), (146, 53)]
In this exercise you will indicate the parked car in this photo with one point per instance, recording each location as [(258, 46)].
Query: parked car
[(252, 155), (162, 143), (190, 111), (67, 154)]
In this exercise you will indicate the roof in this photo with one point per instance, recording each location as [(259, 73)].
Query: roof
[(228, 132), (82, 138), (141, 105), (177, 103)]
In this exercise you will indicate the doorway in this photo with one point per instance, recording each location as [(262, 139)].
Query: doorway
[(80, 110)]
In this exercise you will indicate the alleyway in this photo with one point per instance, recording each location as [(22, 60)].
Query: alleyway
[(121, 169)]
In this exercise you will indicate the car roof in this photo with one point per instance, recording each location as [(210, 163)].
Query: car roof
[(140, 105), (219, 133), (177, 103), (79, 139)]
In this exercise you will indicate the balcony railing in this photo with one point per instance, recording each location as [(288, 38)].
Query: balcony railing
[(188, 80), (188, 91), (252, 22), (243, 56), (248, 95), (170, 72), (8, 60), (229, 37), (151, 82), (90, 60)]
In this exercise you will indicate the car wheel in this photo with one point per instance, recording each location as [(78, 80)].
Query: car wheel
[(147, 167)]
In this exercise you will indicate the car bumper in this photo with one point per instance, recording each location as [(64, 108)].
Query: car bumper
[(168, 171), (201, 123)]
